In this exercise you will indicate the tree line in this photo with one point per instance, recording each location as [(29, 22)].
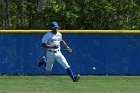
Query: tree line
[(70, 14)]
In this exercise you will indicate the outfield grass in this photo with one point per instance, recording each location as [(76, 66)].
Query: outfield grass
[(92, 84)]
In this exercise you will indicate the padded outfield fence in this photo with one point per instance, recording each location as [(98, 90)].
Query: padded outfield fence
[(101, 52)]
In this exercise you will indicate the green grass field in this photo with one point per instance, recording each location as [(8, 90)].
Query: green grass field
[(63, 84)]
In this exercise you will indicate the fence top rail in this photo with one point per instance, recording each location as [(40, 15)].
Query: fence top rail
[(75, 31)]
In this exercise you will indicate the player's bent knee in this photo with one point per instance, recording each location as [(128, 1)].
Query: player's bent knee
[(48, 70), (67, 66)]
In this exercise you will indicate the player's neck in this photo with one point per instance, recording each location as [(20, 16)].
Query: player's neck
[(54, 32)]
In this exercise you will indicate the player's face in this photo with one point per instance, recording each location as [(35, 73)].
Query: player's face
[(55, 30)]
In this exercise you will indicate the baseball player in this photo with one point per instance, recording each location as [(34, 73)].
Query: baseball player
[(52, 41)]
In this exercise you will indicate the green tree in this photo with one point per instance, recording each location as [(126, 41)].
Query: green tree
[(71, 14)]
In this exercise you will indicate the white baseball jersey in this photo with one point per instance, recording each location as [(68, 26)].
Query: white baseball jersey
[(54, 39)]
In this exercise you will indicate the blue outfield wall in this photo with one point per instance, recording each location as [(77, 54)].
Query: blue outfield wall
[(117, 54)]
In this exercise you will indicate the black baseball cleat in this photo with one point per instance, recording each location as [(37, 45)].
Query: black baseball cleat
[(42, 61), (76, 78)]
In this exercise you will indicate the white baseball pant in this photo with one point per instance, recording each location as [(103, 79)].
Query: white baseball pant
[(52, 57)]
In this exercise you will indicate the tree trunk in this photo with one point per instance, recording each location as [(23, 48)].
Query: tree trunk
[(3, 15), (7, 14)]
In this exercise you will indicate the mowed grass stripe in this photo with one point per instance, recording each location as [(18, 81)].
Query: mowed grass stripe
[(93, 84)]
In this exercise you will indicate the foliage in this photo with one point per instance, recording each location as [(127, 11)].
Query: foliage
[(72, 14)]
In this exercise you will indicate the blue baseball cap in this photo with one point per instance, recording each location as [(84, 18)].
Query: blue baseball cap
[(54, 24)]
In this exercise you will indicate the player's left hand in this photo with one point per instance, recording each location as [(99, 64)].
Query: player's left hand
[(69, 50)]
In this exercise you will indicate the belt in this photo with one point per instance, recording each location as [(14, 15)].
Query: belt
[(54, 51)]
